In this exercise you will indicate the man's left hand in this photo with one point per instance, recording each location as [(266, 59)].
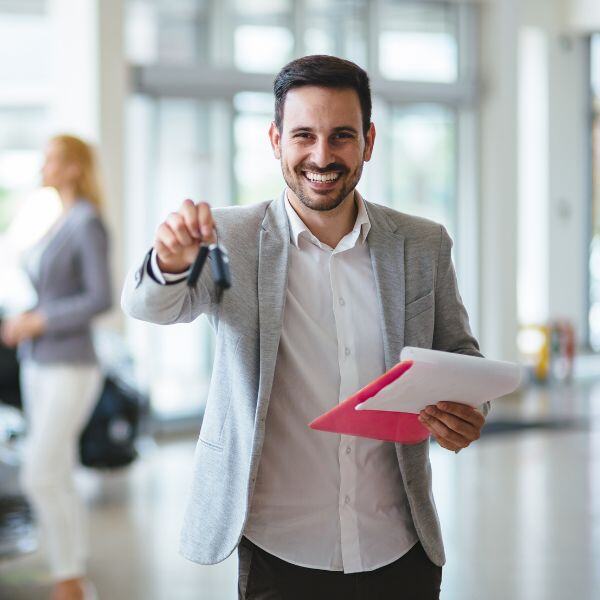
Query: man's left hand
[(452, 424)]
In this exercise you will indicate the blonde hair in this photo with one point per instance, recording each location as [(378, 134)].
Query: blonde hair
[(77, 151)]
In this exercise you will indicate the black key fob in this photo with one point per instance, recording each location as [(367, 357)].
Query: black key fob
[(219, 265), (219, 268), (197, 267)]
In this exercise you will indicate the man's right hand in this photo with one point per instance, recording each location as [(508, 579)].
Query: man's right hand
[(180, 235)]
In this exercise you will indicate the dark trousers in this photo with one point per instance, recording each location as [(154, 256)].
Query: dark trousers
[(263, 576)]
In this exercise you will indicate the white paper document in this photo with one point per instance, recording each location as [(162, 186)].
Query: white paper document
[(436, 376)]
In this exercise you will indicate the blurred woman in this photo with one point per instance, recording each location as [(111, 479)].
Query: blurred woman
[(60, 377)]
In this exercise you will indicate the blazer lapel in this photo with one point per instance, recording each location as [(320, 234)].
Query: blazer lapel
[(386, 246), (272, 281), (387, 256)]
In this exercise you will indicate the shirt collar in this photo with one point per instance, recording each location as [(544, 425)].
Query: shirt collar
[(359, 232)]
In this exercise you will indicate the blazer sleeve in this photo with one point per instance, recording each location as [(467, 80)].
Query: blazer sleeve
[(452, 332), (76, 311), (147, 299)]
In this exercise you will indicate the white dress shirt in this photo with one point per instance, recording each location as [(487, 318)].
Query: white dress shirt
[(322, 500)]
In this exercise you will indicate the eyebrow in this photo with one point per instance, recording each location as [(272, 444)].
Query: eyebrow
[(335, 129)]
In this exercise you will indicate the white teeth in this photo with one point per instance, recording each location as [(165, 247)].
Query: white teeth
[(322, 177)]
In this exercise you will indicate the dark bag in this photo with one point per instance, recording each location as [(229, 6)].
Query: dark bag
[(18, 534), (10, 391), (108, 440)]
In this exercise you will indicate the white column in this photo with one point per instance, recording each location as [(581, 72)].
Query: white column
[(568, 199), (88, 100), (554, 135), (533, 210), (498, 314), (74, 54), (112, 94)]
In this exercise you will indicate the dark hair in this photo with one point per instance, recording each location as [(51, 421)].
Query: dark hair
[(323, 71)]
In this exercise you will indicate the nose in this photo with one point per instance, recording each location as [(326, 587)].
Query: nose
[(321, 152)]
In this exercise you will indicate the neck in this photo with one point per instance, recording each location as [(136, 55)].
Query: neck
[(328, 226), (68, 197)]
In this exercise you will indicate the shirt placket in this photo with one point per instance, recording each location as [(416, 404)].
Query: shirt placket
[(348, 368)]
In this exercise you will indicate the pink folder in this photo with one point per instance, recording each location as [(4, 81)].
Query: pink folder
[(377, 424)]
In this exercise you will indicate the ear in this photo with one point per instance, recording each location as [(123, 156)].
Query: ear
[(369, 143), (275, 138)]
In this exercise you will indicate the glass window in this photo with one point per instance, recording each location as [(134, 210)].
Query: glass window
[(25, 73), (262, 48), (26, 63), (22, 139), (337, 27), (257, 172), (175, 164), (168, 32), (418, 41), (262, 38), (183, 152), (26, 211), (422, 162)]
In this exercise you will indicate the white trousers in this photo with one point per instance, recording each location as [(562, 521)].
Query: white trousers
[(58, 400)]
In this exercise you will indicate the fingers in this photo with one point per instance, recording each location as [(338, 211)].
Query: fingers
[(161, 248), (189, 212), (444, 443), (167, 241), (440, 439), (445, 436), (178, 227), (177, 238), (190, 224), (454, 425), (207, 225), (464, 412)]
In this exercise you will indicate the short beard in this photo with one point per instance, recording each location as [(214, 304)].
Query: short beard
[(313, 205)]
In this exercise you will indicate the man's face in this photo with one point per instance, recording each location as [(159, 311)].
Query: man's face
[(321, 145)]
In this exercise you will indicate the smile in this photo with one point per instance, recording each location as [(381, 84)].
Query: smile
[(322, 177)]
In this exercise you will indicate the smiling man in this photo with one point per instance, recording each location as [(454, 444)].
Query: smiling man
[(327, 289)]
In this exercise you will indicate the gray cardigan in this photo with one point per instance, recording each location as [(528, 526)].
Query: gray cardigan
[(73, 285), (419, 305)]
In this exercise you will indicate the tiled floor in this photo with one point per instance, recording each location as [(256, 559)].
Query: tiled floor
[(520, 513)]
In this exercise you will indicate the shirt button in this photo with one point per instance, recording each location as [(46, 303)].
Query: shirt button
[(348, 450), (342, 302), (347, 351), (347, 499)]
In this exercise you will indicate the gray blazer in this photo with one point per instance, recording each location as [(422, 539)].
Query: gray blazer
[(73, 285), (419, 306)]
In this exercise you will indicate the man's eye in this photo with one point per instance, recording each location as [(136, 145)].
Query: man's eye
[(302, 134), (340, 136)]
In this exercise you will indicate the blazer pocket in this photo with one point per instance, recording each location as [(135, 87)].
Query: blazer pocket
[(418, 306), (218, 402)]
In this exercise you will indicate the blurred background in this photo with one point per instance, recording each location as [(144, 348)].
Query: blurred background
[(488, 121)]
